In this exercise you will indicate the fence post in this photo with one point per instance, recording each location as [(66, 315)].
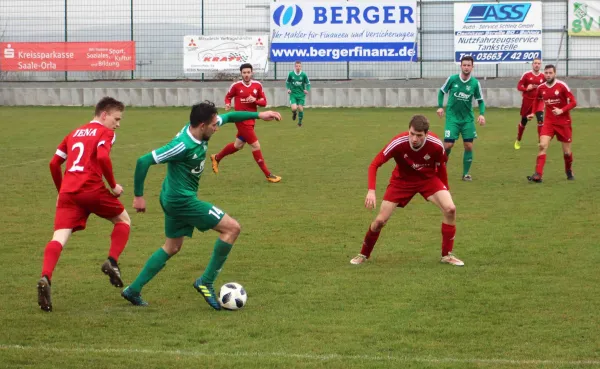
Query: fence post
[(566, 30), (131, 23), (202, 25), (66, 37), (420, 30)]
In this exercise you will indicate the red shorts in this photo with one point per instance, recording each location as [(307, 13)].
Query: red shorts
[(246, 133), (401, 192), (563, 132), (531, 107), (73, 209)]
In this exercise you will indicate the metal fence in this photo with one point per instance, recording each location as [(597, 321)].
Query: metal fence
[(158, 27)]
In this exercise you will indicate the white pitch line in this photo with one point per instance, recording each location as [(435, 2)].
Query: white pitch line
[(324, 357)]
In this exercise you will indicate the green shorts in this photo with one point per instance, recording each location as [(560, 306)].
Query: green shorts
[(183, 215), (453, 129), (297, 99)]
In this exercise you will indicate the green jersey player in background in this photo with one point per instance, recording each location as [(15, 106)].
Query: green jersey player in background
[(460, 119), (186, 155), (298, 85)]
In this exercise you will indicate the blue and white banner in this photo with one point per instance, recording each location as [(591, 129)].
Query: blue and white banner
[(341, 31), (498, 32)]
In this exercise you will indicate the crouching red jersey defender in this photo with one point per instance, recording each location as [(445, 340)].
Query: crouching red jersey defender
[(420, 168)]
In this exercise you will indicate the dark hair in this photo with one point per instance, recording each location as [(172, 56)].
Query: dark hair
[(108, 104), (245, 65), (550, 66), (419, 123), (202, 113), (467, 58), (298, 62)]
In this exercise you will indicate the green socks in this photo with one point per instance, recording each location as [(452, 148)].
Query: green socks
[(219, 255), (467, 161), (156, 262), (300, 115)]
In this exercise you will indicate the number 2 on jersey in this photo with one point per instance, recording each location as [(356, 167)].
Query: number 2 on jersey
[(75, 167)]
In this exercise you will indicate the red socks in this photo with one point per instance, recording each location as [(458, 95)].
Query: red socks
[(539, 165), (568, 161), (51, 255), (118, 240), (227, 150), (521, 130), (369, 242), (448, 233), (261, 162)]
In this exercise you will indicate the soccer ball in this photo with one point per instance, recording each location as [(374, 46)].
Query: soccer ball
[(232, 296)]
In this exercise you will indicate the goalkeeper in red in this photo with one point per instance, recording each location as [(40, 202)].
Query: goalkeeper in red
[(420, 169), (185, 156)]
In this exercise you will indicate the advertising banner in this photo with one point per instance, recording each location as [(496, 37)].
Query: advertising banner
[(67, 56), (584, 18), (498, 32), (225, 53), (342, 31)]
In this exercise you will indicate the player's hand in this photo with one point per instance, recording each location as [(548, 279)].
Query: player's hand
[(227, 107), (289, 92), (530, 116), (250, 99), (481, 120), (370, 200), (269, 115), (557, 111), (440, 112), (531, 87), (139, 204), (306, 92), (117, 191)]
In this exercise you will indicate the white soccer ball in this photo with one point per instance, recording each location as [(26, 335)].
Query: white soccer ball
[(232, 296)]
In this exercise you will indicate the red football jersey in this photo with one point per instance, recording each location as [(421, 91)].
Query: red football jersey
[(79, 148), (530, 78), (558, 95), (240, 91), (411, 164)]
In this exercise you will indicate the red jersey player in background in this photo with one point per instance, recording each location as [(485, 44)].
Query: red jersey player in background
[(558, 100), (248, 94), (82, 191), (420, 168), (528, 85)]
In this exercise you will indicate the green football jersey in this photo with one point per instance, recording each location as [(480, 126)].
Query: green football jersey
[(460, 98), (297, 83), (185, 157)]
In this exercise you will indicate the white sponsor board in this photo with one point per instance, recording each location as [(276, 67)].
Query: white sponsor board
[(505, 32), (225, 53)]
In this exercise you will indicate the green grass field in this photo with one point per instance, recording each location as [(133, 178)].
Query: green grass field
[(527, 297)]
